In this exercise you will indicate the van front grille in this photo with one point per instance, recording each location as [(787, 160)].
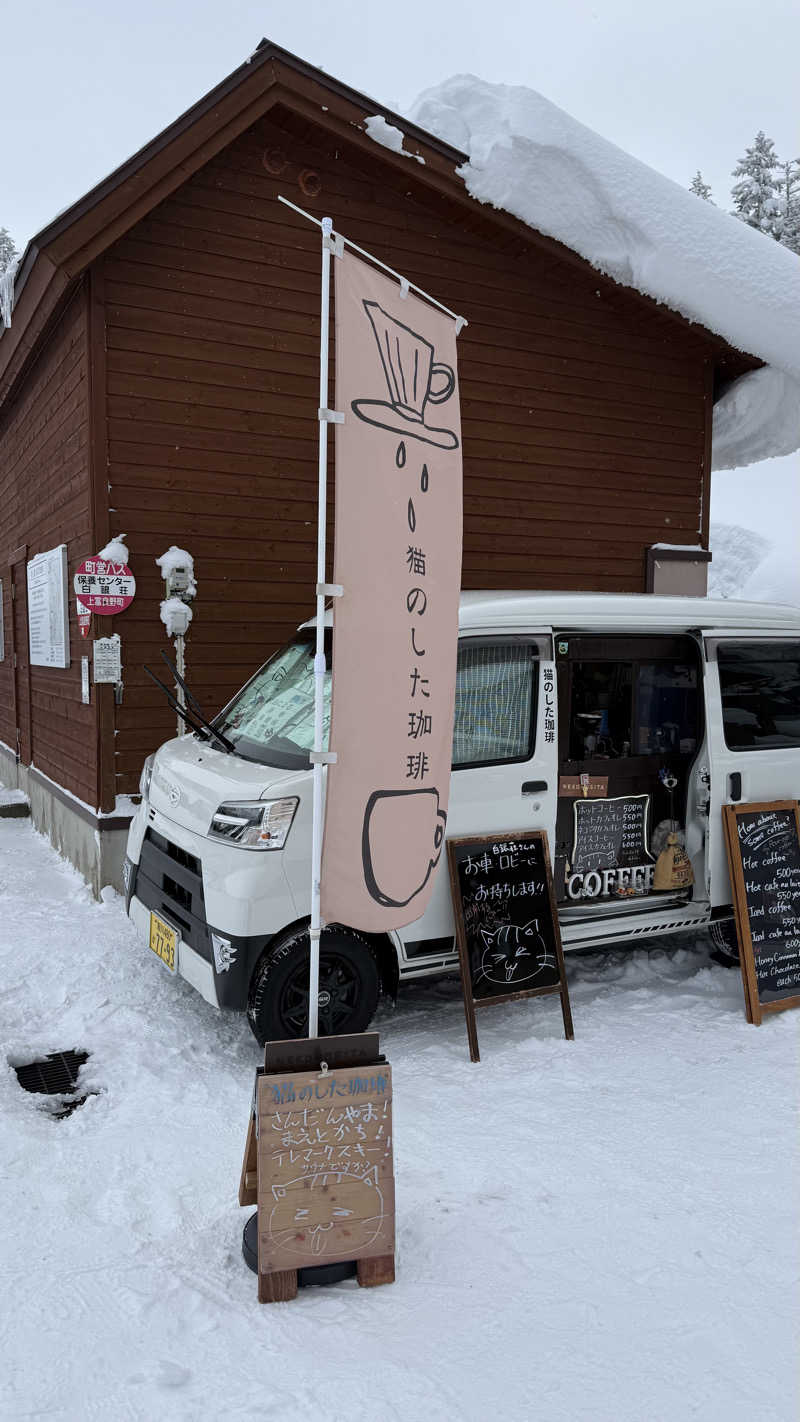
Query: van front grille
[(169, 880)]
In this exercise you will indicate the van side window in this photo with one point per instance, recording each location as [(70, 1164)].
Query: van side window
[(495, 703), (760, 687)]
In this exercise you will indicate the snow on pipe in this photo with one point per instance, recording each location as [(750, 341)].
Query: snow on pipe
[(177, 570)]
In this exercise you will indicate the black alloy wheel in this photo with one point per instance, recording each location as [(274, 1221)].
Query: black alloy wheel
[(349, 987), (339, 987)]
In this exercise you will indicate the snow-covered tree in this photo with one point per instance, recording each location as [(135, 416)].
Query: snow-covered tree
[(789, 197), (755, 196), (700, 188), (7, 249), (8, 267)]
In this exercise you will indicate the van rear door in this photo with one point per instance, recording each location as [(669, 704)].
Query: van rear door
[(752, 690)]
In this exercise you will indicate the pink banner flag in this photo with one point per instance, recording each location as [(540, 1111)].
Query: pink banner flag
[(395, 630)]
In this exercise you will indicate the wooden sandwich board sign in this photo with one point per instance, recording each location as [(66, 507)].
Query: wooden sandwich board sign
[(509, 943), (763, 844), (318, 1161)]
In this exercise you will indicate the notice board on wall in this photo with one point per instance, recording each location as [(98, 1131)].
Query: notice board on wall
[(509, 943), (763, 844), (48, 621)]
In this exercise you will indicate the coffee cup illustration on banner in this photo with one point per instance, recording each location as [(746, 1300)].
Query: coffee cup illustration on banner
[(410, 371), (401, 843)]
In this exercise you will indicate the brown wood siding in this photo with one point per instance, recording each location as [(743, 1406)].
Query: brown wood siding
[(44, 501), (584, 416)]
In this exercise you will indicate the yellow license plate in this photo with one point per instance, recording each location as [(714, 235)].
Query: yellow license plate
[(164, 942)]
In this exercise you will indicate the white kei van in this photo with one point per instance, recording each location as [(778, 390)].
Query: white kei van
[(557, 695)]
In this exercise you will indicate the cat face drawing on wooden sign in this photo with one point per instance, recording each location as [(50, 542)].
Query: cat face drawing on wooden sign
[(316, 1214), (513, 956)]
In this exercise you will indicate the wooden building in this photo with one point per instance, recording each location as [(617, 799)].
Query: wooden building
[(159, 379)]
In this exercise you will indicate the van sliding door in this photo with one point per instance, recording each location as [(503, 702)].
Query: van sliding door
[(753, 717)]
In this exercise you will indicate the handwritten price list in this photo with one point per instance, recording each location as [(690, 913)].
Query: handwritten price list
[(770, 854)]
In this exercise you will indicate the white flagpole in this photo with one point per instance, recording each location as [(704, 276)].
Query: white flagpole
[(319, 659), (405, 284)]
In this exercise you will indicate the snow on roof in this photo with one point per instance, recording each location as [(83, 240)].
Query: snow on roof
[(388, 136), (533, 160)]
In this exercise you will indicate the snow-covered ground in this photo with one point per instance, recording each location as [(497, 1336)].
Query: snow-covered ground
[(602, 1229)]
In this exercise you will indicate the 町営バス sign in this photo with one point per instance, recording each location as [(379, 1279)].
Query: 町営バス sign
[(104, 587)]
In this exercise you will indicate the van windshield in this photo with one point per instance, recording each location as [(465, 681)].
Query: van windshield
[(272, 718)]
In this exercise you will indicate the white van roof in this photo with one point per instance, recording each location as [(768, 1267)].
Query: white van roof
[(596, 612), (601, 611)]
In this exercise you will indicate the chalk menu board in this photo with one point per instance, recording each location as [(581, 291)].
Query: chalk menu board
[(610, 833), (318, 1162), (509, 942), (48, 623), (763, 843)]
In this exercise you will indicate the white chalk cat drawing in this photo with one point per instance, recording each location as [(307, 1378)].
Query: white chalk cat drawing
[(359, 1208), (514, 955)]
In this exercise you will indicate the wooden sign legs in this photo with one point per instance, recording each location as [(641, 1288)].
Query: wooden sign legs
[(318, 1162)]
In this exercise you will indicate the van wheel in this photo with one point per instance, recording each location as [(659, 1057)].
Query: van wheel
[(349, 987)]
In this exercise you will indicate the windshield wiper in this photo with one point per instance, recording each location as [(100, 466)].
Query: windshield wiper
[(194, 726), (196, 711)]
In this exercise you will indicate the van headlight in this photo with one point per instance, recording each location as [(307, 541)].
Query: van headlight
[(254, 824), (146, 776)]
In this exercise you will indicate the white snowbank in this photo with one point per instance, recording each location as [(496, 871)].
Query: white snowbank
[(755, 514), (776, 578), (757, 418), (388, 136), (116, 550), (737, 553), (533, 160)]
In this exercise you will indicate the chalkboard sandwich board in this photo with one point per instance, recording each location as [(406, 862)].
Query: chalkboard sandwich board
[(318, 1163), (509, 944), (763, 844)]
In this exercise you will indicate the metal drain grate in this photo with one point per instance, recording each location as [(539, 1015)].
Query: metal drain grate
[(55, 1075)]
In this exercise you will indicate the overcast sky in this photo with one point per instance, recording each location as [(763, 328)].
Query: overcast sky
[(681, 84)]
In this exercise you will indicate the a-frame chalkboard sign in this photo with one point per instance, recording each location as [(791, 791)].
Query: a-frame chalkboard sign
[(318, 1163), (509, 944), (763, 844)]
